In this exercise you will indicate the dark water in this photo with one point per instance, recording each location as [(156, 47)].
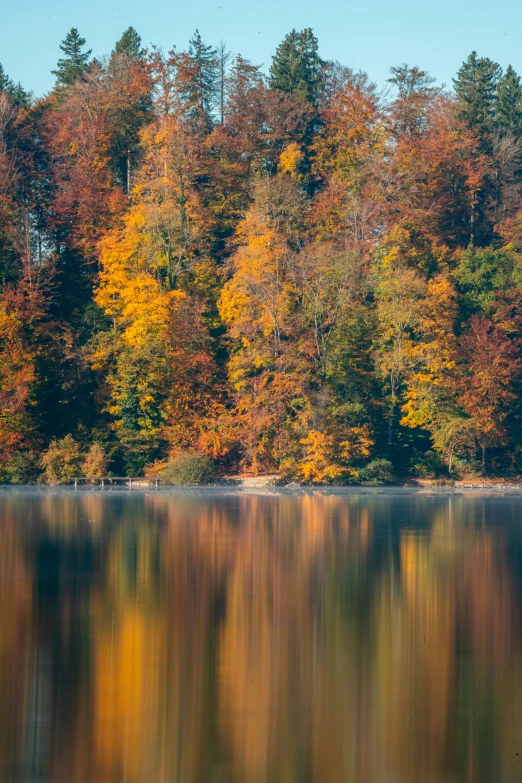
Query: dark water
[(205, 637)]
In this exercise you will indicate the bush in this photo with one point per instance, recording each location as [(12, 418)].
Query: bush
[(95, 463), (189, 468), (428, 464), (61, 462), (22, 468), (378, 471)]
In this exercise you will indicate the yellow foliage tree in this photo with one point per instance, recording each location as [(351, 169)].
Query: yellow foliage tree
[(258, 304), (334, 457), (152, 284)]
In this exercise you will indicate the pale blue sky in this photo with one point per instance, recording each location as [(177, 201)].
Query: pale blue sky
[(373, 35)]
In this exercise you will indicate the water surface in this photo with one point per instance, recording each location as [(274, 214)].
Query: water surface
[(214, 637)]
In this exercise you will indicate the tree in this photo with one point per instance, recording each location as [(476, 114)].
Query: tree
[(127, 105), (415, 92), (224, 58), (399, 293), (353, 134), (508, 107), (476, 90), (129, 44), (296, 66), (17, 383), (6, 84), (154, 283), (198, 80), (74, 63), (258, 305), (431, 383), (490, 365), (482, 275), (435, 179), (78, 136), (15, 91), (62, 461), (94, 465)]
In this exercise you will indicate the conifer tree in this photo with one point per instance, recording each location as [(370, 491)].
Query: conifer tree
[(508, 109), (75, 61), (198, 73), (476, 89), (6, 84), (297, 67), (15, 91), (223, 61), (129, 44)]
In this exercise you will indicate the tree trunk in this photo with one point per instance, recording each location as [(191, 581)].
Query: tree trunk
[(390, 425), (483, 460)]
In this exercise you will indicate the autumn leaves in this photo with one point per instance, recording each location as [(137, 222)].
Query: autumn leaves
[(295, 274)]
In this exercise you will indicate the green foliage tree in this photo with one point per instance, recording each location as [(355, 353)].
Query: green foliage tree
[(189, 468), (476, 91), (199, 78), (508, 107), (296, 66), (483, 273), (129, 44), (15, 91), (74, 62)]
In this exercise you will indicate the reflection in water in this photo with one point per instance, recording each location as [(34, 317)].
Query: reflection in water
[(207, 637)]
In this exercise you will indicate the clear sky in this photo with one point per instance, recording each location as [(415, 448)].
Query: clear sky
[(370, 35)]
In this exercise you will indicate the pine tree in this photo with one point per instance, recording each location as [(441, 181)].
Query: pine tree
[(6, 84), (129, 44), (199, 77), (73, 64), (223, 61), (15, 91), (476, 89), (508, 109), (296, 66)]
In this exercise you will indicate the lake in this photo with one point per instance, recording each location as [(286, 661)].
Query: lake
[(150, 637)]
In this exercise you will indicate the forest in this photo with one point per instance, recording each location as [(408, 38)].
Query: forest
[(294, 272)]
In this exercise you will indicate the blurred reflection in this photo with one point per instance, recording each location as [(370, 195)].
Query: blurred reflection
[(207, 637)]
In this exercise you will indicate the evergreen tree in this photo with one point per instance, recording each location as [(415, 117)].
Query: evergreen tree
[(223, 61), (129, 44), (508, 109), (476, 89), (6, 84), (15, 91), (75, 61), (200, 77), (296, 66)]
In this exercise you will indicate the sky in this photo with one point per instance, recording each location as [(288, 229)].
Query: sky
[(369, 35)]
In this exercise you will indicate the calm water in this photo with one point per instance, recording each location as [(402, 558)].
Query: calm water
[(226, 637)]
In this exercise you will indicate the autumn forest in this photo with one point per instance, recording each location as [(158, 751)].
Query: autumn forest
[(286, 270)]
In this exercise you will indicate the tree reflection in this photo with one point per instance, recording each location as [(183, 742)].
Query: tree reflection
[(259, 638)]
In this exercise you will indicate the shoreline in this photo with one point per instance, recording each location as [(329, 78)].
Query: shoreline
[(463, 489)]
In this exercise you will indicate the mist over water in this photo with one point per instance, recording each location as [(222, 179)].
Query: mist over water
[(217, 637)]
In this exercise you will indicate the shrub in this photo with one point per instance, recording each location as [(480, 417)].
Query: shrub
[(61, 462), (94, 465), (22, 468), (189, 468), (378, 471)]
